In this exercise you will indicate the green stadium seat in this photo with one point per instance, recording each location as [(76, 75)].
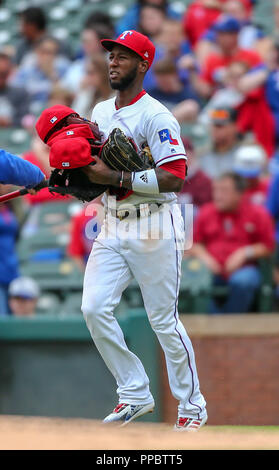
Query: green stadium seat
[(15, 140), (54, 276), (195, 285), (48, 303), (71, 304)]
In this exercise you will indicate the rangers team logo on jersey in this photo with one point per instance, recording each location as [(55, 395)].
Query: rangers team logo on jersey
[(165, 136)]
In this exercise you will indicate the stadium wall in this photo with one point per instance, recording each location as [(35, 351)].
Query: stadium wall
[(238, 363), (49, 366)]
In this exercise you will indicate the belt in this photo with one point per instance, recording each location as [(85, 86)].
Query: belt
[(142, 211)]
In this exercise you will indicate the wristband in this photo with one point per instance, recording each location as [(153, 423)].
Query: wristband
[(145, 182)]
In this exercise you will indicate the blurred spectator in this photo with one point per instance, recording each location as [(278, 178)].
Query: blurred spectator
[(230, 236), (272, 205), (197, 188), (60, 95), (39, 156), (131, 18), (32, 28), (171, 45), (213, 71), (250, 36), (250, 164), (172, 40), (24, 294), (272, 85), (243, 89), (41, 72), (151, 20), (95, 87), (102, 19), (231, 95), (14, 101), (171, 91), (85, 227), (91, 46), (224, 142), (8, 258), (199, 16)]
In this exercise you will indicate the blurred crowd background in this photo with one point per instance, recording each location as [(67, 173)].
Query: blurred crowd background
[(216, 69)]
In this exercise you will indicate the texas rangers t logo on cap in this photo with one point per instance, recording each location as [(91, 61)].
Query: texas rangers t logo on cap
[(165, 135), (125, 34)]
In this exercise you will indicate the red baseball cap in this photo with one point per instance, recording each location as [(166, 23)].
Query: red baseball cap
[(72, 131), (50, 117), (134, 41), (67, 156)]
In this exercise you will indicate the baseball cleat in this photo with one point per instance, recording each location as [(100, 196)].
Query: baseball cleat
[(189, 424), (126, 413)]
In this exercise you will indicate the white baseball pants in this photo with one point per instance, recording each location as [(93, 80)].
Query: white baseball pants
[(155, 264)]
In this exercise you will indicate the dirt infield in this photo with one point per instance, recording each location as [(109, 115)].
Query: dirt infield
[(35, 433)]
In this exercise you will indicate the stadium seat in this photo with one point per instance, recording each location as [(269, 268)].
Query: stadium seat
[(15, 140), (55, 276), (71, 304), (48, 303), (195, 286)]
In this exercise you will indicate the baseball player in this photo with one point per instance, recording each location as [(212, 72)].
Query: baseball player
[(154, 262), (14, 170)]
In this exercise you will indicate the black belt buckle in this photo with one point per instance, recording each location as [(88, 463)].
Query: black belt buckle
[(137, 212)]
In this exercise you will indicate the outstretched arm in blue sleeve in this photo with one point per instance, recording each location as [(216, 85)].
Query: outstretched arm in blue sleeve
[(15, 170)]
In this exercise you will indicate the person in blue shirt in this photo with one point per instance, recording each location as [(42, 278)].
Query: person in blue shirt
[(8, 257), (272, 86), (19, 172), (15, 170), (130, 19)]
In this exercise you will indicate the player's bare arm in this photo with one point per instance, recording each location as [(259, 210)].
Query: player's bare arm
[(100, 173)]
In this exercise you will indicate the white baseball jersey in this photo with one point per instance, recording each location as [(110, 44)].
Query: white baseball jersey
[(149, 122)]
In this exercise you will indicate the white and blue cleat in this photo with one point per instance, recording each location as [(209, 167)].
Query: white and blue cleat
[(125, 413)]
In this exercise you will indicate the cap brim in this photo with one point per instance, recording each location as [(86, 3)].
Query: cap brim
[(109, 43)]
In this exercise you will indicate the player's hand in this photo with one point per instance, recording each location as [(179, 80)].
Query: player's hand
[(100, 173), (235, 261), (41, 185)]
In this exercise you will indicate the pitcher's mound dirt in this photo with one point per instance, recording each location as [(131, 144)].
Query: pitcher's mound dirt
[(36, 433)]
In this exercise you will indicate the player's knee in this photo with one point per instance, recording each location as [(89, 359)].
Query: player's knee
[(93, 308), (160, 324)]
